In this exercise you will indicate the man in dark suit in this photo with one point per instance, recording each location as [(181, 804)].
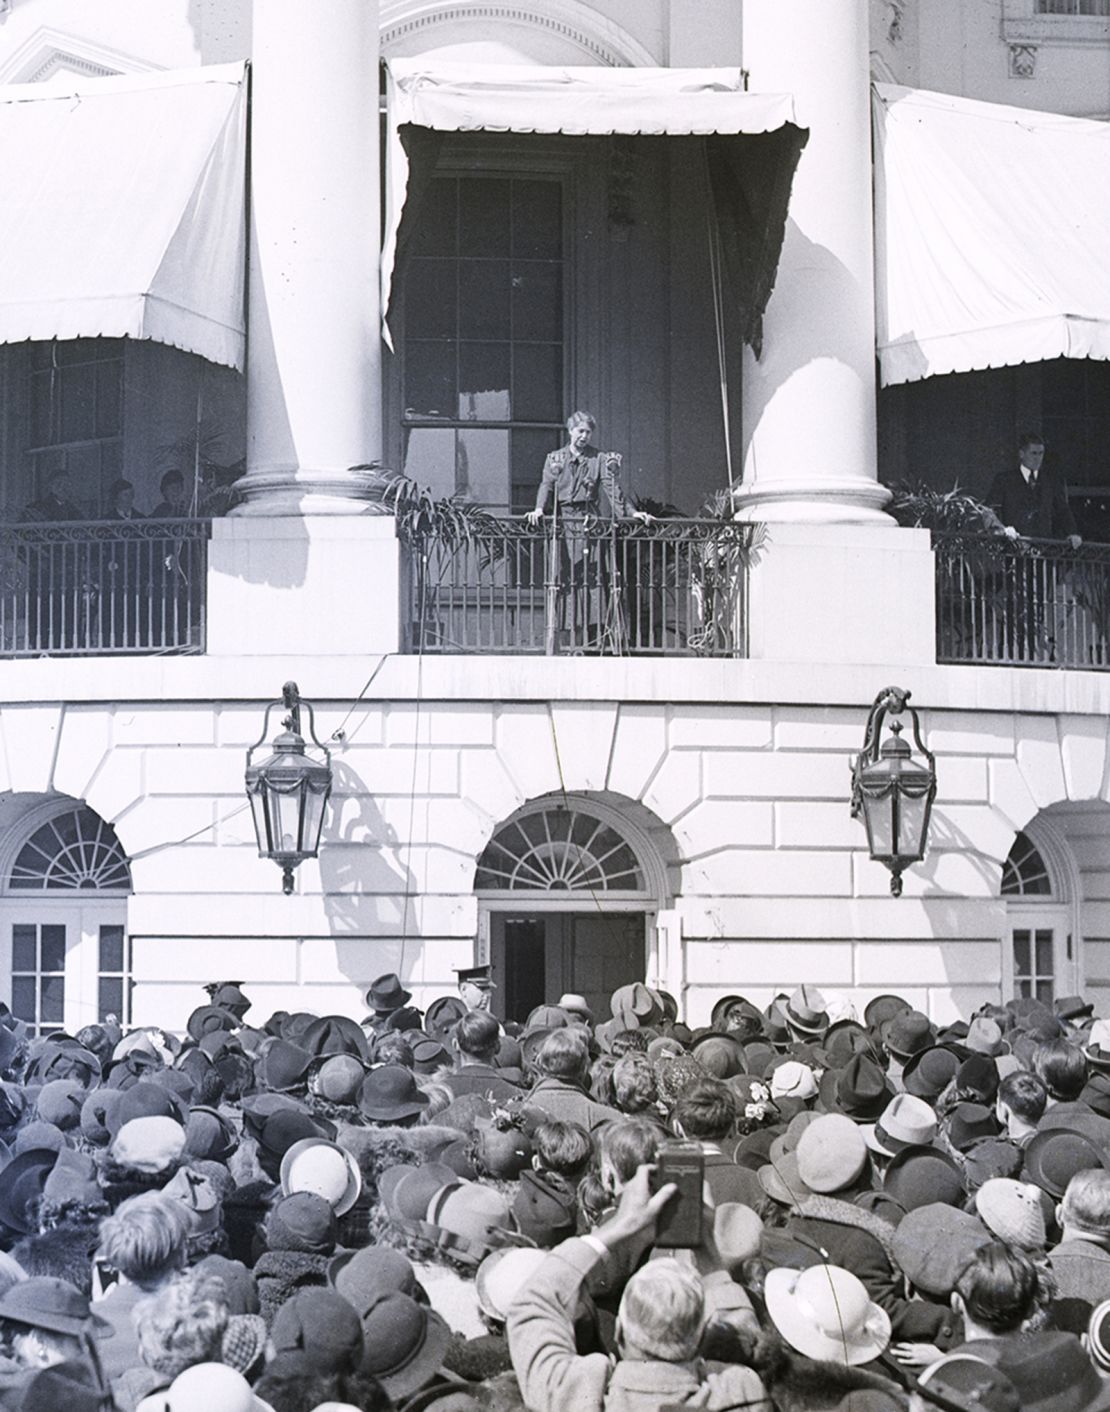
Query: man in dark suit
[(1031, 500)]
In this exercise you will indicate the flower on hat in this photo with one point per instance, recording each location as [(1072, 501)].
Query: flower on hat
[(1013, 1211)]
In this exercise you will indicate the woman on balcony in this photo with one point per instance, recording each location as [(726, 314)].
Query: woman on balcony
[(577, 574)]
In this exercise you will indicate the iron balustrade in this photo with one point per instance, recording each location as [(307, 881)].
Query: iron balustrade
[(594, 587), (88, 588), (1022, 603)]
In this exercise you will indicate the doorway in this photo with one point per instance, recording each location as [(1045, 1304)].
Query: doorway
[(536, 957)]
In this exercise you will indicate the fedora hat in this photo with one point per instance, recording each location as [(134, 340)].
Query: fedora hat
[(906, 1033), (883, 1008), (387, 993), (806, 1011), (638, 1000), (1053, 1373), (831, 1153), (781, 1180), (1052, 1158), (1096, 1094), (405, 1191), (208, 1018), (405, 1343), (374, 1272), (320, 1166), (335, 1034), (906, 1121), (845, 1038), (860, 1090), (960, 1382), (929, 1072), (984, 1036), (969, 1123), (919, 1176), (44, 1302), (826, 1313), (284, 1066), (389, 1094)]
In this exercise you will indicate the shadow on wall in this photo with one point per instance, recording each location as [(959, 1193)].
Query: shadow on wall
[(222, 31)]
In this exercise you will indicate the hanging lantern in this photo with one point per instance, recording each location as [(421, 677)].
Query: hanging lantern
[(289, 790), (893, 789)]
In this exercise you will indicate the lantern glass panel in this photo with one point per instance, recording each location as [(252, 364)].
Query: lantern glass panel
[(914, 811), (261, 821), (879, 814), (285, 810), (314, 805)]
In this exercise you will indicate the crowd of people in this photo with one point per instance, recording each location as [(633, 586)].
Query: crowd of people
[(791, 1208)]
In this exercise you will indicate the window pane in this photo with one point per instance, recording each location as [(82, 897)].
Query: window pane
[(24, 957), (1021, 953), (78, 403), (430, 299), (484, 216), (538, 219), (41, 429), (436, 229), (484, 287), (537, 383), (111, 948), (430, 458), (110, 997), (537, 301), (484, 381), (429, 379), (53, 999), (109, 380), (529, 450), (1045, 965), (1044, 992), (23, 998), (483, 465), (53, 948)]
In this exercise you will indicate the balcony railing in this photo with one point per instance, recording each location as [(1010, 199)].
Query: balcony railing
[(671, 588), (1022, 603), (89, 588)]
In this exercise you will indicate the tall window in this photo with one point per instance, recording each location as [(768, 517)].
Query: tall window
[(77, 416), (1075, 394), (484, 337)]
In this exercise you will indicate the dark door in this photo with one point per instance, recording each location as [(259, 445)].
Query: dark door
[(535, 959)]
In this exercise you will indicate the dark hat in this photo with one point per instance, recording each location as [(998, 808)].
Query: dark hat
[(758, 1057), (284, 1066), (60, 1102), (806, 1010), (71, 1384), (719, 1054), (335, 1034), (145, 1100), (918, 1176), (963, 1383), (993, 1157), (929, 1072), (1096, 1094), (229, 996), (321, 1328), (239, 1284), (859, 1090), (63, 1061), (544, 1210), (336, 1077), (387, 993), (364, 1276), (1052, 1373), (405, 1019), (208, 1018), (22, 1183), (389, 1094), (775, 1027), (198, 1196), (44, 1302), (405, 1344), (257, 1107), (475, 975), (209, 1135), (737, 1016), (547, 1017), (442, 1015), (969, 1123), (1073, 1007), (1052, 1158), (296, 1024), (502, 1151), (884, 1008), (845, 1038), (978, 1074), (304, 1222), (95, 1115), (39, 1134), (405, 1191), (428, 1055), (754, 1150), (935, 1244), (906, 1033), (281, 1130)]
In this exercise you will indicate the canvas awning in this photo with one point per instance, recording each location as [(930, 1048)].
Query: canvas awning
[(123, 210), (750, 194), (990, 235)]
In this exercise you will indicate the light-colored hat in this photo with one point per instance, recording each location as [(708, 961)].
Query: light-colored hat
[(831, 1153), (806, 1010), (825, 1312), (906, 1122), (984, 1036), (501, 1277), (316, 1165), (1012, 1211), (793, 1080)]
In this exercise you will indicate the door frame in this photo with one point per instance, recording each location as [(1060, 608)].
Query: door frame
[(82, 915), (1031, 913)]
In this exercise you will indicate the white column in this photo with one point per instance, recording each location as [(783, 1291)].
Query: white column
[(314, 347), (809, 402)]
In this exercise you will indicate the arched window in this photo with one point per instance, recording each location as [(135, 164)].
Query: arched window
[(75, 851), (1024, 873), (559, 849)]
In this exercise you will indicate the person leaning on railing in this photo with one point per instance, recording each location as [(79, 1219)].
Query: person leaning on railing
[(1031, 500)]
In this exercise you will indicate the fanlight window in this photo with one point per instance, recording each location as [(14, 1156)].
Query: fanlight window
[(73, 852), (1024, 873), (559, 850)]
